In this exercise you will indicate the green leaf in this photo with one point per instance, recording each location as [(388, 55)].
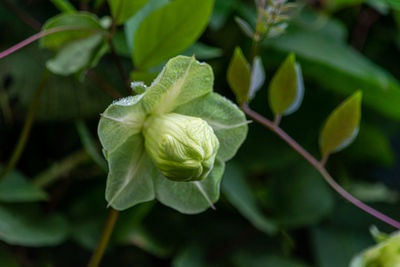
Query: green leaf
[(7, 259), (87, 24), (254, 259), (182, 80), (75, 56), (190, 197), (300, 196), (122, 10), (64, 6), (130, 179), (241, 197), (88, 143), (228, 122), (239, 76), (203, 51), (342, 125), (286, 89), (15, 188), (169, 31), (27, 226), (63, 98), (135, 21), (257, 77), (340, 68), (335, 246)]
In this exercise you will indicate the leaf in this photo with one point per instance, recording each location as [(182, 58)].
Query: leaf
[(88, 143), (192, 255), (239, 76), (245, 27), (169, 31), (182, 80), (135, 21), (75, 56), (286, 89), (15, 188), (335, 246), (64, 6), (122, 10), (241, 197), (29, 227), (130, 179), (342, 125), (7, 259), (187, 197), (257, 77), (341, 69), (254, 259), (228, 122), (203, 51), (300, 197), (63, 98), (87, 24)]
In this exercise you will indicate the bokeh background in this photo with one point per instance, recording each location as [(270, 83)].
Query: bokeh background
[(342, 46)]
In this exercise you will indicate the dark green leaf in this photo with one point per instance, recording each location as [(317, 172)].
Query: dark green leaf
[(169, 31), (340, 68), (15, 188), (342, 125), (239, 76), (64, 6), (241, 197), (122, 10), (30, 227)]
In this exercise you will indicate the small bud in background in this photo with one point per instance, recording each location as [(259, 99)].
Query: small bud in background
[(384, 254), (182, 147)]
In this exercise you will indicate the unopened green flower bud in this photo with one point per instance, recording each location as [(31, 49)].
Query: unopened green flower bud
[(384, 254), (182, 147)]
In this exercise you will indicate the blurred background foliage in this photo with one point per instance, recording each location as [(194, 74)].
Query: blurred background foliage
[(275, 209)]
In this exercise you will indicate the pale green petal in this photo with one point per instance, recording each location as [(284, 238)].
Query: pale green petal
[(130, 179), (119, 121), (187, 197), (182, 80)]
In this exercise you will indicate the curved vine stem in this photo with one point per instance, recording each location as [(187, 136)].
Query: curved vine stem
[(38, 36), (104, 239), (19, 148), (319, 166)]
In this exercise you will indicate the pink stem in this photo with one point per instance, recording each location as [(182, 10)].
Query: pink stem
[(38, 36), (319, 166)]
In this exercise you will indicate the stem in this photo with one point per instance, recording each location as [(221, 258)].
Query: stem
[(319, 166), (103, 85), (105, 237), (59, 169), (38, 36), (23, 16), (121, 70), (19, 148)]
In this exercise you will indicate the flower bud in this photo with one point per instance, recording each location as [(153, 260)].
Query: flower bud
[(384, 254), (182, 147)]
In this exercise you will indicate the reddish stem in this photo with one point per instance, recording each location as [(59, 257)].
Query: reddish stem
[(38, 36), (318, 165)]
